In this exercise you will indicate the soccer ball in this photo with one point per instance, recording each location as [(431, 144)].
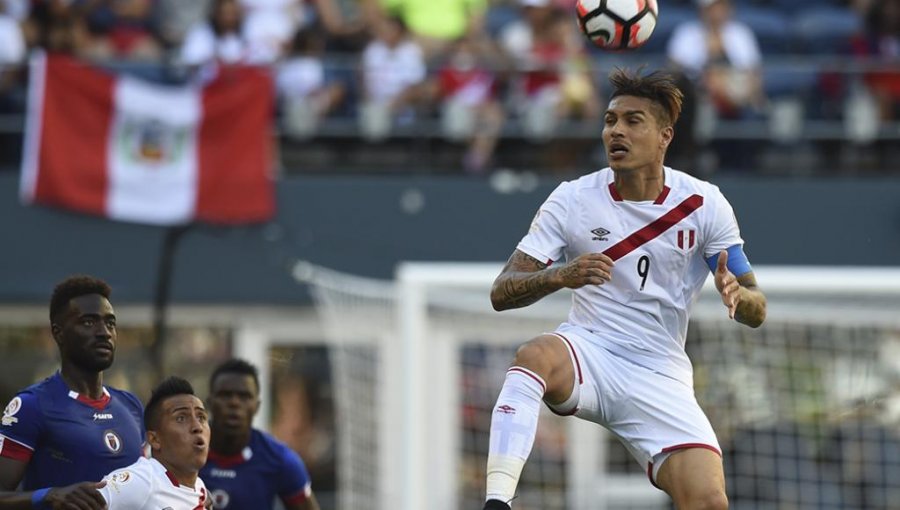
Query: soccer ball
[(617, 24)]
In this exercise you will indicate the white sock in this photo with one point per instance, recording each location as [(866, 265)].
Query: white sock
[(513, 427)]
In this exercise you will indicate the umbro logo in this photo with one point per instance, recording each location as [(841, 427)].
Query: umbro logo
[(600, 234), (505, 409)]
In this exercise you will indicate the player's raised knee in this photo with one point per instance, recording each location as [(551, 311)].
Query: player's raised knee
[(545, 355), (709, 500)]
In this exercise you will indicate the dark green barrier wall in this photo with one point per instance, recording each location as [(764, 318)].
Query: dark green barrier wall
[(366, 225)]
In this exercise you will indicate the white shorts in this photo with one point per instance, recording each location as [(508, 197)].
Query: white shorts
[(652, 414)]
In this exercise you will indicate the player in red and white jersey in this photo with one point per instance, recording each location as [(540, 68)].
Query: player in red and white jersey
[(178, 434), (664, 243), (635, 241)]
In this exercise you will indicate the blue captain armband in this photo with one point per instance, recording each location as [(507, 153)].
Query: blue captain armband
[(737, 261), (39, 499)]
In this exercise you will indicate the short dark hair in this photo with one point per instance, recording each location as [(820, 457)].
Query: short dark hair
[(169, 387), (235, 366), (73, 287), (396, 17), (658, 86)]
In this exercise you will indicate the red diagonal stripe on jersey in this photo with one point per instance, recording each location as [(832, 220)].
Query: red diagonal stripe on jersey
[(654, 229)]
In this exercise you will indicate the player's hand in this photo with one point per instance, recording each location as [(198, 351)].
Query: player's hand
[(81, 496), (727, 284), (587, 269)]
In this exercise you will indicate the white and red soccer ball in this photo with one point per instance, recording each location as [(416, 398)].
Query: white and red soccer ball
[(617, 24)]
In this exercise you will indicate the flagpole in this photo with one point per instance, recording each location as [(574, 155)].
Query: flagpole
[(164, 275)]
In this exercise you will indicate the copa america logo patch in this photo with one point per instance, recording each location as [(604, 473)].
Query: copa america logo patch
[(112, 441), (122, 477), (9, 414)]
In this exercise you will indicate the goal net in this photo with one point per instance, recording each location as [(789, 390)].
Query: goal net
[(807, 408)]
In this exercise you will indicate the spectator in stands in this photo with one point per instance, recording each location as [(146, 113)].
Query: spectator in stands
[(465, 86), (346, 23), (578, 93), (54, 26), (16, 9), (129, 26), (305, 93), (436, 24), (12, 55), (175, 17), (220, 38), (552, 74), (723, 55), (517, 39), (393, 72), (269, 25), (12, 41), (881, 40)]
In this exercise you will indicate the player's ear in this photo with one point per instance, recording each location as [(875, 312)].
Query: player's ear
[(666, 136), (153, 440), (56, 332)]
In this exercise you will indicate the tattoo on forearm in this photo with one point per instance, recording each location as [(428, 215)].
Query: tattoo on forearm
[(522, 282), (519, 292)]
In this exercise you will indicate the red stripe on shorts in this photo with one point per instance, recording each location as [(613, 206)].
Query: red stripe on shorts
[(685, 446), (574, 356)]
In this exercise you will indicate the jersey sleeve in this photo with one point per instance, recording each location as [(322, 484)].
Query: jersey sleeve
[(126, 489), (722, 231), (137, 410), (293, 484), (546, 238), (20, 427)]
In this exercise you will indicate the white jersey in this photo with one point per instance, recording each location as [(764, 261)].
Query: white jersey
[(147, 485), (659, 248)]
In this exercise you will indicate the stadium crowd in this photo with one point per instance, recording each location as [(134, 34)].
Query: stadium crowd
[(772, 84)]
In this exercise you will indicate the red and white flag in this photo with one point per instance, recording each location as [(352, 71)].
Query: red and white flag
[(135, 151)]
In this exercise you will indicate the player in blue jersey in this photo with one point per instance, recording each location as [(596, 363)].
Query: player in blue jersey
[(248, 468), (59, 437)]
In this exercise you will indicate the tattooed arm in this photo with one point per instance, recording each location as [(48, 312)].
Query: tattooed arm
[(746, 303), (525, 280)]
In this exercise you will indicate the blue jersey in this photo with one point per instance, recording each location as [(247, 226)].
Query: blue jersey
[(68, 438), (265, 469)]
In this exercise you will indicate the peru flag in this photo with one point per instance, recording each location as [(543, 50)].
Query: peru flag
[(130, 150)]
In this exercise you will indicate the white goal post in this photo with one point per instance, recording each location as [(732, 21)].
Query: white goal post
[(428, 445), (403, 353)]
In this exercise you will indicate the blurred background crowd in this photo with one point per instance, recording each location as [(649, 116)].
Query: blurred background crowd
[(773, 86), (479, 88)]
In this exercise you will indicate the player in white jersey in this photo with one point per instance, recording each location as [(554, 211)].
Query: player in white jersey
[(635, 241), (178, 434)]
